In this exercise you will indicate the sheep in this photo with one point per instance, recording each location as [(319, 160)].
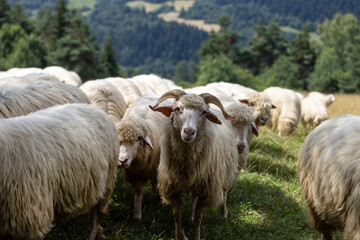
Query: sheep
[(141, 81), (326, 99), (26, 79), (69, 77), (159, 85), (261, 105), (313, 112), (224, 98), (60, 73), (107, 97), (329, 176), (234, 90), (127, 88), (243, 124), (286, 115), (22, 100), (192, 160), (56, 163), (139, 135)]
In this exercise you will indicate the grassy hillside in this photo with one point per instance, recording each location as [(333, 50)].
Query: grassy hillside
[(266, 202)]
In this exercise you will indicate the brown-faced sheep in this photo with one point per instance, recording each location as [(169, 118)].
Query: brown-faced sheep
[(192, 160), (56, 163), (329, 175), (24, 99), (139, 135)]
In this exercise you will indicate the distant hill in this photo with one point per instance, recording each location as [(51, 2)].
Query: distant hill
[(143, 40), (291, 13)]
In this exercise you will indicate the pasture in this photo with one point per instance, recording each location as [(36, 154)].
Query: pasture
[(265, 203)]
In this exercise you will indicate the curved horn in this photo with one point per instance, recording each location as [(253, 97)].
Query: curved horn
[(209, 98), (175, 93)]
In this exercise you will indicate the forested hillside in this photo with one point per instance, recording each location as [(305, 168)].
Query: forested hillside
[(143, 40), (30, 5), (244, 14)]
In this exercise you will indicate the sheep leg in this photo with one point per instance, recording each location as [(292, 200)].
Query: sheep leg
[(198, 216), (180, 235), (194, 199), (96, 229), (224, 211), (155, 192), (325, 232), (138, 189)]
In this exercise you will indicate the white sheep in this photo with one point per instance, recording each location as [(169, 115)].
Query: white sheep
[(223, 97), (60, 73), (143, 83), (56, 163), (234, 90), (128, 89), (329, 175), (107, 97), (24, 99), (160, 85), (26, 79), (313, 111), (326, 99), (285, 117), (261, 105), (198, 154), (69, 77), (139, 135)]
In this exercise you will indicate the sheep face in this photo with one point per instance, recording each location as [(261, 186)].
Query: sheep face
[(242, 133), (134, 139), (262, 115), (189, 113), (321, 117)]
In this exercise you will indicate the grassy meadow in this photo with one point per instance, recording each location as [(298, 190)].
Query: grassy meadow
[(265, 203)]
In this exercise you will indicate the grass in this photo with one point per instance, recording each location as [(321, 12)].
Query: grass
[(265, 203)]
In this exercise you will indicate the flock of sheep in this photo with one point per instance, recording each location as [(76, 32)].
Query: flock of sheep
[(62, 143)]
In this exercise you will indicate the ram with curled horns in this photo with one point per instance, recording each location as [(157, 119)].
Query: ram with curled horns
[(198, 154)]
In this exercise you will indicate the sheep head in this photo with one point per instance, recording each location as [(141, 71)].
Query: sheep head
[(134, 140), (189, 111)]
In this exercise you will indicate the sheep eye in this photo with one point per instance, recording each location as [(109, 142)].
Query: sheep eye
[(204, 112), (177, 109), (139, 138)]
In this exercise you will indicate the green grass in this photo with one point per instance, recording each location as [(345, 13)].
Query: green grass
[(265, 203)]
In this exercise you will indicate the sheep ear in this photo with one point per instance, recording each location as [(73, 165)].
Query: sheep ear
[(148, 141), (166, 110), (254, 129), (212, 118), (316, 119), (244, 101), (273, 106)]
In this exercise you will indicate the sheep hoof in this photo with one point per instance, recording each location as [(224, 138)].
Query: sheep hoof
[(137, 217), (100, 233)]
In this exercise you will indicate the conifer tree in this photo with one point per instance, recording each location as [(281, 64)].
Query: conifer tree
[(109, 60)]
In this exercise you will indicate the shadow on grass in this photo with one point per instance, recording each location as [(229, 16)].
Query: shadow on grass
[(257, 210)]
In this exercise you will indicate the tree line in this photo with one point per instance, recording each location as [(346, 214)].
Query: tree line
[(55, 37), (328, 63), (244, 14)]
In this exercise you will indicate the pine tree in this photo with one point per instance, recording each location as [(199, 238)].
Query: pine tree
[(303, 54), (109, 60), (5, 12), (59, 22)]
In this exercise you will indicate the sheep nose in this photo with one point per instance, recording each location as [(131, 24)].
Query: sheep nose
[(189, 131), (123, 162), (241, 147)]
